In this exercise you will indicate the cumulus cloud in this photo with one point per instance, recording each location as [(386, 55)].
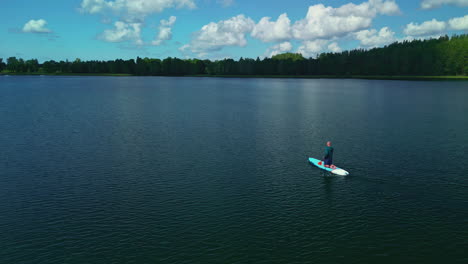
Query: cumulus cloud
[(320, 25), (271, 31), (459, 23), (133, 9), (123, 32), (131, 15), (372, 38), (165, 31), (168, 23), (426, 28), (184, 48), (36, 26), (388, 8), (278, 49), (215, 36), (312, 48), (436, 28), (328, 22), (333, 47), (428, 4)]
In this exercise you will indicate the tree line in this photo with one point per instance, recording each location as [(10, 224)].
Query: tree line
[(442, 56)]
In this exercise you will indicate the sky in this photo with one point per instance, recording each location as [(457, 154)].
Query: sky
[(216, 29)]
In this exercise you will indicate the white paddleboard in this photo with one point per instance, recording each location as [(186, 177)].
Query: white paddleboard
[(319, 163)]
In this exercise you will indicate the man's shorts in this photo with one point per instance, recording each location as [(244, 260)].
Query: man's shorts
[(328, 161)]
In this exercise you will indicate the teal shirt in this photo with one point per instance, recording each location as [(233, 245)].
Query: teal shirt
[(328, 153)]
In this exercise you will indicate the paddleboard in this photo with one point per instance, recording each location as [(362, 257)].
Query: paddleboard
[(336, 171)]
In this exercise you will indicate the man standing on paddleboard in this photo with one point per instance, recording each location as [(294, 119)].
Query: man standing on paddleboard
[(328, 158)]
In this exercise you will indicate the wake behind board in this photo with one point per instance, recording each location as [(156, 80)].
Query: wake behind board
[(320, 164)]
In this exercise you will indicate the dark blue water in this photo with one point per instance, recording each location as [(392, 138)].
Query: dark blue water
[(208, 170)]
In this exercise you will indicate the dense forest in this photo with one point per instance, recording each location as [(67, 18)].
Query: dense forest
[(431, 57)]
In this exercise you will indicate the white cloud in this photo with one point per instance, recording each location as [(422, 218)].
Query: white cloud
[(312, 48), (426, 28), (123, 32), (93, 6), (278, 49), (215, 36), (434, 28), (168, 23), (269, 31), (131, 15), (459, 23), (184, 47), (333, 47), (323, 22), (165, 31), (428, 4), (389, 8), (320, 25), (372, 38), (36, 26), (133, 9), (328, 22)]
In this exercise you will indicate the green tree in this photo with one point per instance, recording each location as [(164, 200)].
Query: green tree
[(288, 55), (442, 56), (2, 65), (51, 66), (12, 64), (77, 66), (31, 65)]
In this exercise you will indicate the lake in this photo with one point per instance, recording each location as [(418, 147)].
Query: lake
[(215, 170)]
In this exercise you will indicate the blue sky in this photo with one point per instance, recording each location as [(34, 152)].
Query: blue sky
[(216, 29)]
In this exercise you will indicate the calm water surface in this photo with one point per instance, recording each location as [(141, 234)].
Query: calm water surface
[(208, 170)]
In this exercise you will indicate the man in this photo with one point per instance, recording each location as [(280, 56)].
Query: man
[(328, 158)]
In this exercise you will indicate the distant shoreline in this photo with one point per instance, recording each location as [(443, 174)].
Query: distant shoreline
[(65, 74), (368, 77)]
